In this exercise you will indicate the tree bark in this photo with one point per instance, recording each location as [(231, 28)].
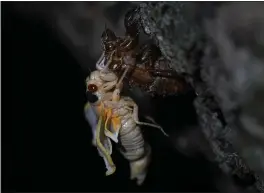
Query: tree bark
[(217, 46)]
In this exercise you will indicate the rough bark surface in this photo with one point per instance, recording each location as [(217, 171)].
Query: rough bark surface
[(218, 46)]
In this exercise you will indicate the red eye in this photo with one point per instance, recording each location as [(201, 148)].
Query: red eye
[(92, 87)]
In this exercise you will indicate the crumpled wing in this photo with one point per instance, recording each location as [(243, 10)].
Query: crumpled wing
[(104, 146), (92, 118)]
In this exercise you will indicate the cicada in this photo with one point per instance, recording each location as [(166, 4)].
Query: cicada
[(115, 118)]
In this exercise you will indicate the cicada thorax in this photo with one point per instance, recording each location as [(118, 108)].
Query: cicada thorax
[(116, 62), (147, 55), (167, 86), (167, 81), (124, 56), (128, 43), (153, 74), (161, 84)]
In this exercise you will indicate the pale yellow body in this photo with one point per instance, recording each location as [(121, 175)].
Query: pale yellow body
[(121, 124)]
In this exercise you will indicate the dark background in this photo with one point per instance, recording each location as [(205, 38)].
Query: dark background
[(46, 142)]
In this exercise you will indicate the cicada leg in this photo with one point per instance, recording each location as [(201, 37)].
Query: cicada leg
[(135, 116)]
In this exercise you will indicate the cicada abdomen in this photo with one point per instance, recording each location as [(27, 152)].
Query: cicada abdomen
[(136, 150)]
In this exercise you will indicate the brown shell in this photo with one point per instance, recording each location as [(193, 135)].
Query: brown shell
[(147, 70), (157, 79), (157, 85)]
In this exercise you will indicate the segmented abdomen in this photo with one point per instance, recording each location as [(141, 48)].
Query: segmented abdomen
[(132, 141)]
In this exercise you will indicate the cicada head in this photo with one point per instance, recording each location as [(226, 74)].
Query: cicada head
[(93, 84), (99, 84), (109, 40)]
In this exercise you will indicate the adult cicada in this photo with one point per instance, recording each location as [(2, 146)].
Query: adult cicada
[(113, 117)]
